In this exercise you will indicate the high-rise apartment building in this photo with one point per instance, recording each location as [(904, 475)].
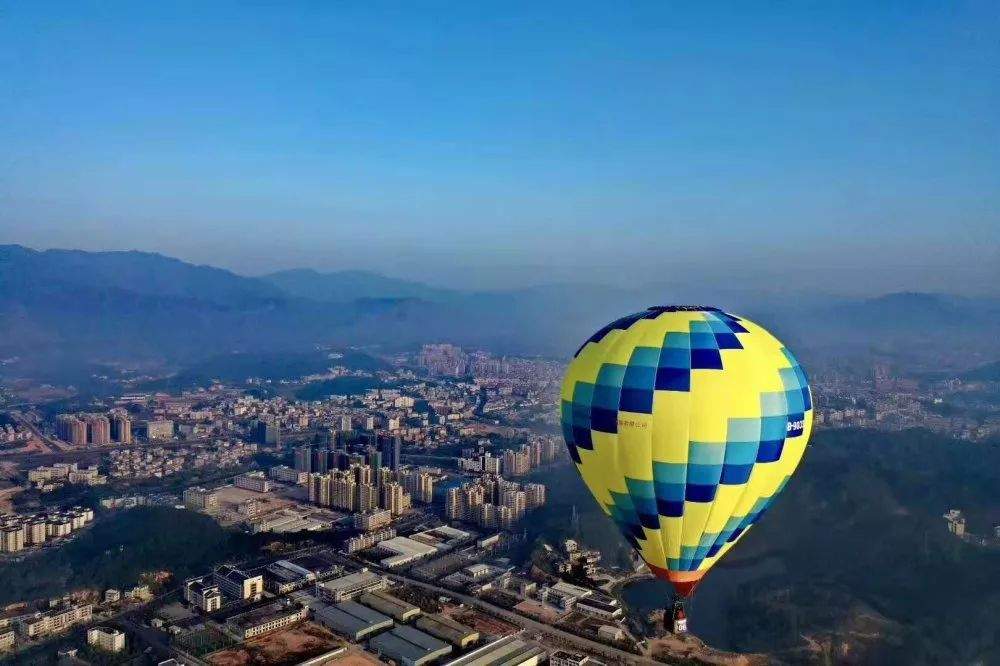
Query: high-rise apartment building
[(344, 492), (516, 501), (12, 538), (393, 498), (392, 451), (303, 459), (535, 495), (121, 428), (98, 430), (320, 460), (420, 485), (320, 487), (373, 458), (72, 430), (362, 474), (368, 497), (266, 432)]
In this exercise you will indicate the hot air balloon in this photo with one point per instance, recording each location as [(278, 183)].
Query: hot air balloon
[(685, 423)]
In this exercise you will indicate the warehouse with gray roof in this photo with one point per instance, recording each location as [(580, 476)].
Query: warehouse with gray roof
[(353, 620), (408, 647), (507, 651), (448, 629), (394, 607)]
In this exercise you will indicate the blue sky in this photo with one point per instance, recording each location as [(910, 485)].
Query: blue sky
[(850, 147)]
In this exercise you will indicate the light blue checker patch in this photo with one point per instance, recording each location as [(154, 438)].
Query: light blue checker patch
[(706, 453), (773, 403), (676, 340), (611, 374), (645, 356), (741, 453), (670, 472), (743, 430)]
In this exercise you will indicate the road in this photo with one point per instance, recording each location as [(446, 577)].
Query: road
[(35, 459), (585, 644), (581, 643)]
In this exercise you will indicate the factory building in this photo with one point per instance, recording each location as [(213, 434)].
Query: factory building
[(449, 630), (402, 550), (397, 609), (350, 586), (408, 647), (353, 620), (507, 651)]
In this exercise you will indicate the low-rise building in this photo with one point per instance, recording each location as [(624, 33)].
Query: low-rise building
[(203, 594), (409, 647), (610, 632), (107, 639), (270, 618), (255, 481), (565, 658), (286, 474), (353, 620), (54, 621), (201, 499), (139, 593), (447, 629), (372, 520), (350, 586), (601, 606), (402, 550), (395, 608), (159, 429), (238, 584), (514, 650), (286, 576)]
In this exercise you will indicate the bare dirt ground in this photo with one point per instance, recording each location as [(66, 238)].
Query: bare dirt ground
[(7, 496), (483, 623), (230, 498), (669, 647), (538, 611), (282, 648)]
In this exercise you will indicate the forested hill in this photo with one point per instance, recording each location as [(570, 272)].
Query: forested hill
[(871, 569)]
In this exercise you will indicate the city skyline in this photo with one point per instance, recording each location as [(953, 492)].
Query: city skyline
[(847, 146)]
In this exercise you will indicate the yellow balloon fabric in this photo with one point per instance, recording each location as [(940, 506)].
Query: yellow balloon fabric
[(685, 422)]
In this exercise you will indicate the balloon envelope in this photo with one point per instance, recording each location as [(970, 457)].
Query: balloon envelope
[(685, 423)]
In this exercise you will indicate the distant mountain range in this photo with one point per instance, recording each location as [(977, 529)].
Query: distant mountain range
[(347, 286), (127, 305)]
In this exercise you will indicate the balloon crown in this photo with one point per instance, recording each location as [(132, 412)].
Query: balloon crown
[(682, 308)]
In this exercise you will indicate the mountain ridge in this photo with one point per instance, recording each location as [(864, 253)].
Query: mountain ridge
[(150, 305)]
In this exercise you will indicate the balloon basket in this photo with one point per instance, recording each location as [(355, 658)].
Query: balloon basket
[(678, 617)]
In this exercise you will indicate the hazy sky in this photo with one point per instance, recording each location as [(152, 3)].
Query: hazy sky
[(853, 146)]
